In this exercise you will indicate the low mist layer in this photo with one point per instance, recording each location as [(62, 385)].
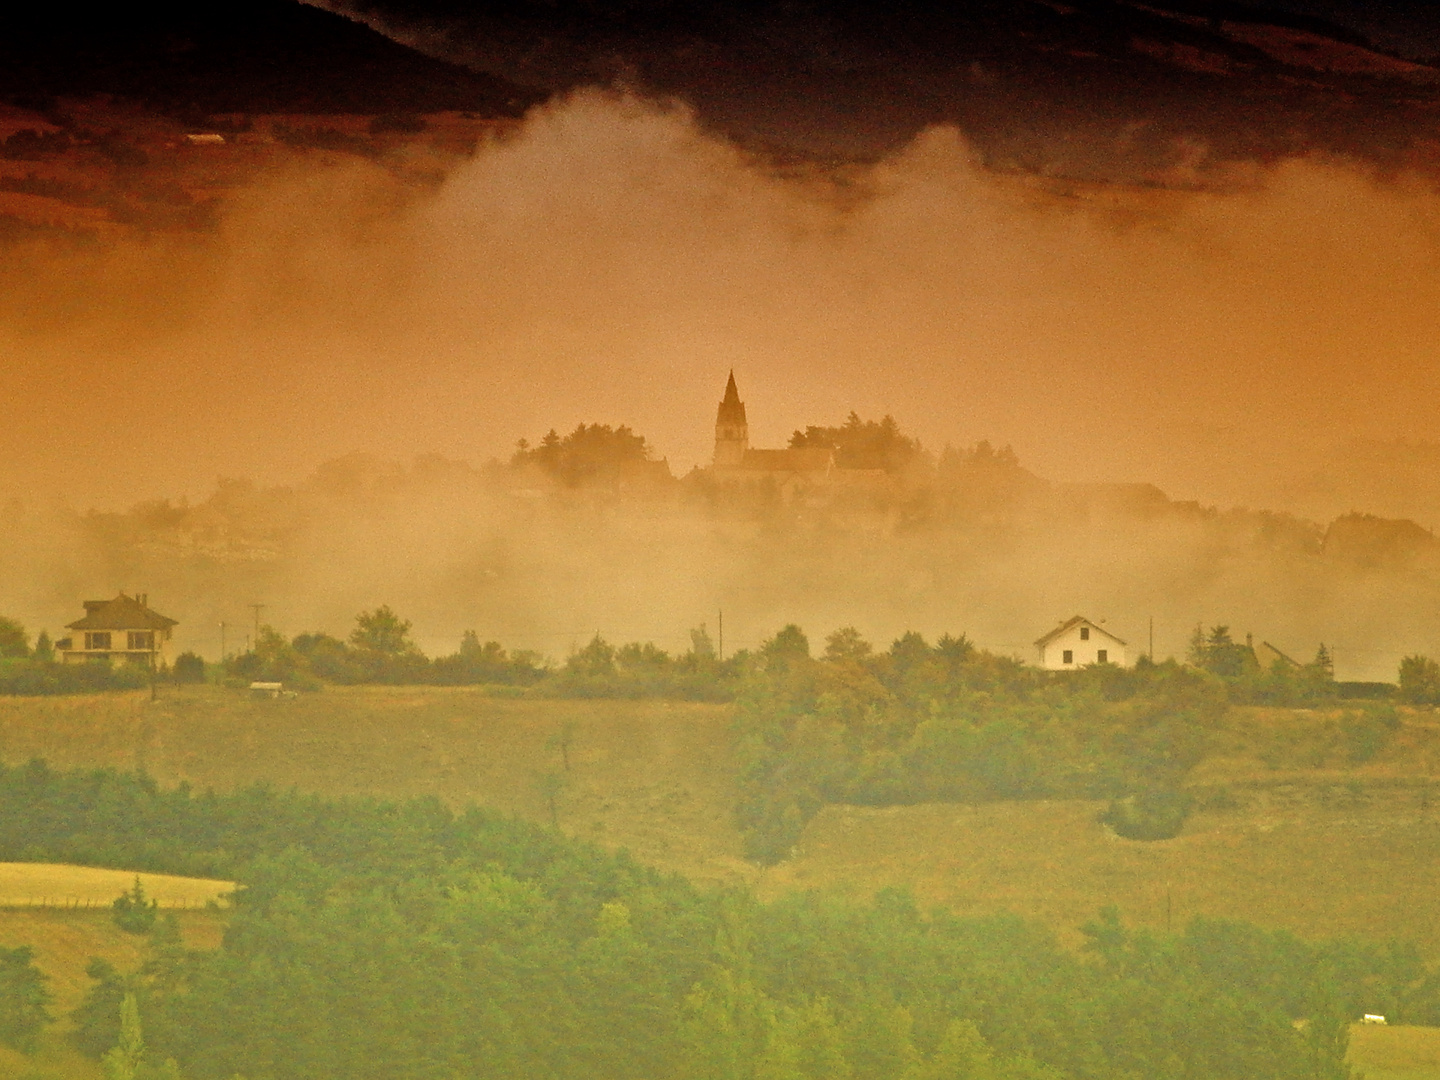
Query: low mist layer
[(978, 546)]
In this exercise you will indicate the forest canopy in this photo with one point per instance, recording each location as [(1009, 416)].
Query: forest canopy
[(402, 941)]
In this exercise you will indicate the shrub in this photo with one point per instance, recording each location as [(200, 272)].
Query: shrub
[(1367, 733), (1150, 815), (1365, 691), (14, 642), (189, 668), (33, 677), (1419, 681), (133, 912)]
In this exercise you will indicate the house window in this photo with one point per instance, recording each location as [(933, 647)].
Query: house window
[(1084, 633), (1067, 657), (142, 639), (1102, 656), (98, 639)]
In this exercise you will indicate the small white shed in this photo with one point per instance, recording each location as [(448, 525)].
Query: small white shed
[(1077, 642)]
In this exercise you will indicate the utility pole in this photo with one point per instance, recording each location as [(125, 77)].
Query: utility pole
[(222, 642), (722, 635), (1152, 639), (257, 608)]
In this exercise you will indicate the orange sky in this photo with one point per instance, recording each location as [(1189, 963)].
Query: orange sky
[(612, 263)]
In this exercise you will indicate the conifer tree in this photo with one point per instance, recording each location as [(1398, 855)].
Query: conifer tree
[(122, 1061), (23, 998), (134, 912)]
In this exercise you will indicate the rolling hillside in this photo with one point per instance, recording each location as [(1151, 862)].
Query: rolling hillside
[(1322, 851), (1318, 850)]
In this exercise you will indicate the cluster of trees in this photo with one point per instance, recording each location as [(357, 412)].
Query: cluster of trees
[(1419, 681), (399, 941), (952, 723), (865, 444), (380, 650), (949, 722), (635, 671), (591, 454), (1283, 683)]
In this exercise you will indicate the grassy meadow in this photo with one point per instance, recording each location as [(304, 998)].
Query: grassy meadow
[(1395, 1053), (1371, 871), (653, 776)]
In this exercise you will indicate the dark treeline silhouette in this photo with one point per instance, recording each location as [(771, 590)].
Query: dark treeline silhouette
[(865, 444), (402, 940), (380, 650), (596, 454)]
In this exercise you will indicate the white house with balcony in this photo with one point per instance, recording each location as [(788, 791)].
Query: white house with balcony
[(1078, 642), (120, 629)]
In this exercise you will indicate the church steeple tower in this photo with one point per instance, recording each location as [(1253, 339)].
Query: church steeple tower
[(732, 433)]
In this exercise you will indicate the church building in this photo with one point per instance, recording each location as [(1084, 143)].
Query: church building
[(735, 460)]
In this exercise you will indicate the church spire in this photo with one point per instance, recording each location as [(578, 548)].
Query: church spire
[(732, 433)]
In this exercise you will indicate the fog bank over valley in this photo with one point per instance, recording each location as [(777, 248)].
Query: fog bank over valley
[(1266, 342), (611, 262)]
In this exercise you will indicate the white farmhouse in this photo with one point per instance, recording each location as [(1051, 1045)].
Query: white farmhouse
[(1077, 642), (123, 629)]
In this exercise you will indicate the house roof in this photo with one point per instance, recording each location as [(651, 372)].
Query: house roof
[(122, 613), (1078, 620), (1266, 655)]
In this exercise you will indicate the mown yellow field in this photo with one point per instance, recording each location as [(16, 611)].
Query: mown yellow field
[(57, 885)]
